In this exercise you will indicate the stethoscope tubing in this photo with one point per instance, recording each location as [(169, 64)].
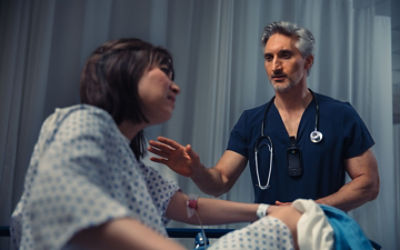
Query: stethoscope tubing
[(315, 137), (316, 124)]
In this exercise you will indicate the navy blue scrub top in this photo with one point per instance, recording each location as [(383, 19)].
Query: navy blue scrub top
[(345, 136)]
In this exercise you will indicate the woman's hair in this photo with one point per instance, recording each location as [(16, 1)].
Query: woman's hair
[(110, 78), (305, 39)]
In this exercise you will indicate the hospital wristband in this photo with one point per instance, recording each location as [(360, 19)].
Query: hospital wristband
[(262, 210)]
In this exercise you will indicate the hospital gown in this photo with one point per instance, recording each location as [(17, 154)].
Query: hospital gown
[(83, 173), (267, 233)]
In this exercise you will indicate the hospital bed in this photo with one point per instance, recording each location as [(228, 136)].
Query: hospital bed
[(215, 233), (194, 233)]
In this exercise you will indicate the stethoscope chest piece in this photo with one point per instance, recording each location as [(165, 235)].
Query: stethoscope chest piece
[(316, 136)]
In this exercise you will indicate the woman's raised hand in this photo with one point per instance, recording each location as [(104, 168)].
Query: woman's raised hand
[(177, 157)]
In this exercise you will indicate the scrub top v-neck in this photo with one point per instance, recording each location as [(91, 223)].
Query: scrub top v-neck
[(345, 136)]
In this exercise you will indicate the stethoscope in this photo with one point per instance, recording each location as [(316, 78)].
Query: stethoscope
[(315, 137)]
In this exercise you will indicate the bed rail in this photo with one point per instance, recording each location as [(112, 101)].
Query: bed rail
[(172, 232), (4, 231), (192, 232)]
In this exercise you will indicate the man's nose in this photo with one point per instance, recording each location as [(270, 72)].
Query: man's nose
[(276, 65)]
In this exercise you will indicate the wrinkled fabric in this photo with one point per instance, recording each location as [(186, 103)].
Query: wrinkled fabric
[(267, 233), (313, 228), (83, 173), (348, 234)]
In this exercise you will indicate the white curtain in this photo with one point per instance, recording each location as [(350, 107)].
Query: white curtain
[(219, 67)]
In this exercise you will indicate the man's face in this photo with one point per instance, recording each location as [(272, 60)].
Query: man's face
[(284, 64)]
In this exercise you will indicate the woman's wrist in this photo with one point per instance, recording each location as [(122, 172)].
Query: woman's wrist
[(262, 210)]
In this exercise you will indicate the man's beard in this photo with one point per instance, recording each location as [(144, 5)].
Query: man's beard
[(283, 88)]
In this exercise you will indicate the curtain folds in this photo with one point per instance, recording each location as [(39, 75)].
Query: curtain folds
[(219, 67)]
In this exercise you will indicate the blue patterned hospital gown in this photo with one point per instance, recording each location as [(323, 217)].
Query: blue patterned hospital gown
[(83, 173), (267, 233)]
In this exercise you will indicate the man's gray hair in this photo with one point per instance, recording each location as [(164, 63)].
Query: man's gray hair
[(305, 39)]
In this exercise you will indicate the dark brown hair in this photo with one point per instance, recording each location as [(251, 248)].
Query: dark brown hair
[(110, 78)]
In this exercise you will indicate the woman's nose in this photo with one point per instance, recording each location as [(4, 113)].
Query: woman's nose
[(175, 88)]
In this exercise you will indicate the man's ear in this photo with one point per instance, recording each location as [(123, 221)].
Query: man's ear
[(309, 62)]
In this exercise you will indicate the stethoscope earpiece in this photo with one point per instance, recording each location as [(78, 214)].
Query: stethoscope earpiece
[(316, 136)]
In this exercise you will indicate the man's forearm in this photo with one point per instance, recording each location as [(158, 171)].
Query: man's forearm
[(353, 194), (220, 178), (209, 180)]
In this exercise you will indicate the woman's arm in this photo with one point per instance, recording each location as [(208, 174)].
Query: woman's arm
[(211, 211), (123, 233)]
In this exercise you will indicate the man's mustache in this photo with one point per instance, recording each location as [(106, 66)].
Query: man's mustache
[(278, 75)]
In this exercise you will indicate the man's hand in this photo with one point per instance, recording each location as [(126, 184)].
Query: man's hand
[(177, 157), (279, 203)]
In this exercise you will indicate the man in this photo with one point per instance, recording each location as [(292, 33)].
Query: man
[(289, 157)]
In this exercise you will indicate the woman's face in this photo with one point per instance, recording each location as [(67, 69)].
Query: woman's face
[(157, 93)]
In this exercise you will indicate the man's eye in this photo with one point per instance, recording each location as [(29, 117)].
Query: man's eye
[(286, 55), (268, 58)]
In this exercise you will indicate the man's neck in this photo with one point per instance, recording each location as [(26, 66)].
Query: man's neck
[(291, 106), (293, 100)]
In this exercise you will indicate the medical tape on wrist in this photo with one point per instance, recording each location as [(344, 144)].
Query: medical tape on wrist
[(262, 210), (191, 205), (191, 208)]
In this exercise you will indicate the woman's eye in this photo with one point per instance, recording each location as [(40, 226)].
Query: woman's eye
[(167, 71)]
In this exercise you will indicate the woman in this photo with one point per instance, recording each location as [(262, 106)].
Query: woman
[(86, 187)]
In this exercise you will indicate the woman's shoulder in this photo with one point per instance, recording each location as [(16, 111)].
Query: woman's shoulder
[(81, 115), (78, 123), (80, 110)]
